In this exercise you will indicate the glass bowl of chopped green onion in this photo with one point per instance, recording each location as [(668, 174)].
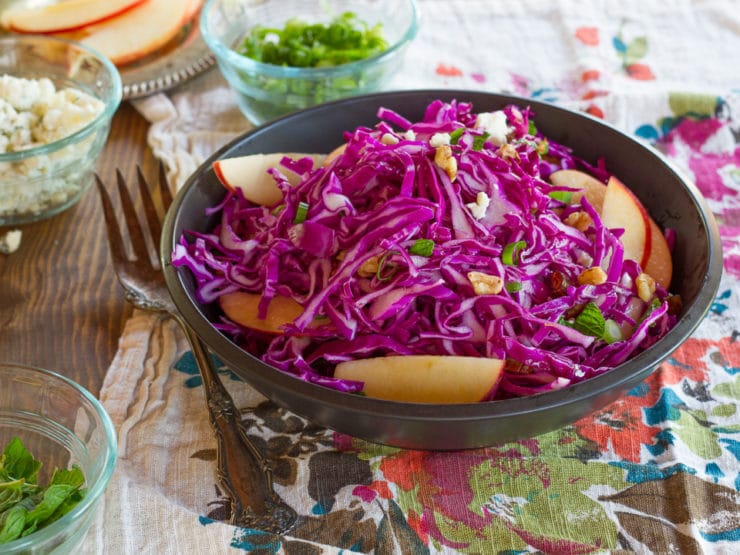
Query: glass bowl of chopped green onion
[(280, 56), (57, 455)]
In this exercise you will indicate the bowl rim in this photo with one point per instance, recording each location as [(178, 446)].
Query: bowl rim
[(94, 491), (234, 59), (109, 109), (638, 367)]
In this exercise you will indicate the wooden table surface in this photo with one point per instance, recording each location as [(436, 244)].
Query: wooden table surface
[(61, 306)]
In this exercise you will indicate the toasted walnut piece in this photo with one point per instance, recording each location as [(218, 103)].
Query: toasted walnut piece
[(369, 268), (485, 284), (645, 285), (579, 220), (592, 276), (444, 159), (508, 151)]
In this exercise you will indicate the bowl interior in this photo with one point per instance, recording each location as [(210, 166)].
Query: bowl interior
[(672, 201)]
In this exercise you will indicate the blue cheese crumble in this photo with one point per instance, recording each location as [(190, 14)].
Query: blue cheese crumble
[(34, 113)]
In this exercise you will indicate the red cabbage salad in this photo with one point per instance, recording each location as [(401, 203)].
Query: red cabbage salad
[(439, 237)]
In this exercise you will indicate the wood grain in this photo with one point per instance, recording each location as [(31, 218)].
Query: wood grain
[(61, 306)]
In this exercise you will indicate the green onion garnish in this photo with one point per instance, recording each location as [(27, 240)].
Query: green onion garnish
[(301, 213), (513, 286), (563, 196), (422, 247), (479, 141), (512, 253), (456, 134), (381, 265)]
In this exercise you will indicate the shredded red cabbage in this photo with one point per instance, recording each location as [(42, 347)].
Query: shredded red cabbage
[(351, 262)]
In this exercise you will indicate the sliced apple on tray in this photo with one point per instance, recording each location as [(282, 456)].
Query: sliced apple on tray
[(249, 173), (424, 378), (63, 16), (139, 31), (618, 207)]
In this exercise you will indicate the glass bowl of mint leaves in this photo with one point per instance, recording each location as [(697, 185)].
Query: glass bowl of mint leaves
[(57, 454), (280, 56)]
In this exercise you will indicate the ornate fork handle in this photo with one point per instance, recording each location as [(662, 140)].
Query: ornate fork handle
[(242, 470)]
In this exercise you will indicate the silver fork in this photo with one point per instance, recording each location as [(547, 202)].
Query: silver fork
[(242, 471)]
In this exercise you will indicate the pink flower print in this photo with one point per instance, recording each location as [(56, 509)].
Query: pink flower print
[(588, 35)]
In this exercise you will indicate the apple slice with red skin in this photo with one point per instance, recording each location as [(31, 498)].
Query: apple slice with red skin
[(623, 210), (656, 260), (249, 173), (590, 187), (659, 264), (63, 16), (243, 308), (138, 31), (425, 378)]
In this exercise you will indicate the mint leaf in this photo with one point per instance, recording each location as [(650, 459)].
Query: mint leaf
[(19, 463), (590, 321)]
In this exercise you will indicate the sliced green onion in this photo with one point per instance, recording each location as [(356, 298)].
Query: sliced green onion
[(381, 265), (612, 331), (590, 321), (279, 208), (563, 196), (532, 128), (422, 247), (456, 134), (479, 141), (512, 253), (513, 286), (301, 213)]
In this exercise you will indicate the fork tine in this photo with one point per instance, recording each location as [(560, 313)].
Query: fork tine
[(152, 218), (138, 243), (115, 240), (164, 188)]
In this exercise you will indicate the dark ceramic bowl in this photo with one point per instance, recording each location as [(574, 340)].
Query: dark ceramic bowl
[(670, 198)]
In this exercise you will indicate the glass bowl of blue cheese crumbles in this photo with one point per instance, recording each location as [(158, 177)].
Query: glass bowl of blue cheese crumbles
[(57, 99)]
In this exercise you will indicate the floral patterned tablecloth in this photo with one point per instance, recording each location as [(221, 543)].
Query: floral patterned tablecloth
[(658, 471)]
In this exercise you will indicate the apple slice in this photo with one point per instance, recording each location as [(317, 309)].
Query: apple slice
[(63, 16), (590, 187), (424, 378), (243, 308), (249, 173), (623, 210), (138, 31), (336, 153), (659, 263)]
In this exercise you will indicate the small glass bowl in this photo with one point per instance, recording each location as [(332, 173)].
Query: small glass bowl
[(61, 424), (267, 91), (42, 181)]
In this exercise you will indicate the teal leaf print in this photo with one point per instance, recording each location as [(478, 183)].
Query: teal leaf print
[(619, 45), (187, 366), (647, 132)]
